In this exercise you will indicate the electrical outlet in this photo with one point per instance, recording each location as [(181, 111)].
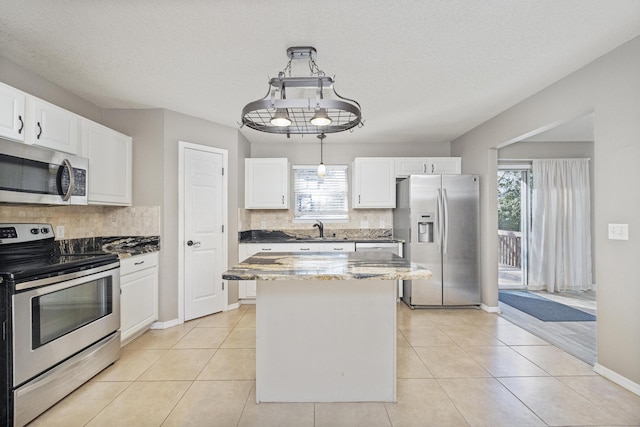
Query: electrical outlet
[(263, 225), (618, 231), (60, 231), (364, 224), (383, 224)]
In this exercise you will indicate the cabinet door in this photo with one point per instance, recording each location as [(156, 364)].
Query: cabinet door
[(12, 109), (374, 182), (138, 294), (52, 127), (110, 164), (266, 183), (406, 166), (138, 307), (445, 165)]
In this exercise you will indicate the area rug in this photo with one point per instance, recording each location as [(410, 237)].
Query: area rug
[(543, 308)]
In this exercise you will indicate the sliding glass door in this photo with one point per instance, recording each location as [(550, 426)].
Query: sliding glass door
[(514, 225)]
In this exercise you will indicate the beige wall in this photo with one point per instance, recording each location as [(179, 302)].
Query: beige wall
[(156, 134), (611, 88)]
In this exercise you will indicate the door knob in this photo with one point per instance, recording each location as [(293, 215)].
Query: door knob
[(192, 243), (189, 242)]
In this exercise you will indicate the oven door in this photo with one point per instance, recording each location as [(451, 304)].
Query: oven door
[(56, 321)]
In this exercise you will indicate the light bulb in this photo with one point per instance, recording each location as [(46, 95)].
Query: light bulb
[(321, 118), (322, 170), (281, 118)]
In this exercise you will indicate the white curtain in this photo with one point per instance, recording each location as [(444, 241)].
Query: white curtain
[(560, 244)]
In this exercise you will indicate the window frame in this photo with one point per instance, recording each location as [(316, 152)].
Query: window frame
[(324, 219)]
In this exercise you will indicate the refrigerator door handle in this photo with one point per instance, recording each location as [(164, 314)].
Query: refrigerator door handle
[(438, 224), (445, 220)]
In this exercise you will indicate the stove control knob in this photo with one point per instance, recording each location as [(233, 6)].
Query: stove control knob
[(44, 230), (34, 231)]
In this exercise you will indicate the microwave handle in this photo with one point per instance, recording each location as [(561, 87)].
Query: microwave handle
[(72, 180)]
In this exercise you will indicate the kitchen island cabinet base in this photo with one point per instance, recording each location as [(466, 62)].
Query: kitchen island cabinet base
[(326, 341)]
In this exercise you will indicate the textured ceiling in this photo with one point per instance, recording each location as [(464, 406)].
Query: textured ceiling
[(424, 70)]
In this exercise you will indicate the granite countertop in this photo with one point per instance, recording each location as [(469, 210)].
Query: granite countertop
[(298, 236), (326, 266), (123, 246)]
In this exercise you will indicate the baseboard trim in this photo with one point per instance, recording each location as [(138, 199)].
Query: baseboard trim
[(617, 378), (165, 325), (489, 309), (233, 306), (248, 301)]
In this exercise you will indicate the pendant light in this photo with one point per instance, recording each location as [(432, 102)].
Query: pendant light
[(322, 170), (316, 107)]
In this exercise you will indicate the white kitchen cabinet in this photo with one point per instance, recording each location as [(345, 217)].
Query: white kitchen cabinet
[(110, 164), (266, 183), (51, 127), (322, 247), (374, 182), (138, 294), (12, 113), (405, 166), (445, 165)]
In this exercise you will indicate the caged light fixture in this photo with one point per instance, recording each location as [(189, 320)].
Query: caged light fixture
[(314, 108)]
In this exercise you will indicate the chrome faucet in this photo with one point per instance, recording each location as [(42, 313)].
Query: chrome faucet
[(320, 226)]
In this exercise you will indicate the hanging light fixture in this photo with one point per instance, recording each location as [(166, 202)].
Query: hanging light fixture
[(315, 108), (322, 169)]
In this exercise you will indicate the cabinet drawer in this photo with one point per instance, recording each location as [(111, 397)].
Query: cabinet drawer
[(339, 247), (249, 249), (137, 263)]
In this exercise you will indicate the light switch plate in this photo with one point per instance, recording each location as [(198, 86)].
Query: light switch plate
[(618, 231), (60, 231), (364, 224), (263, 225), (383, 224)]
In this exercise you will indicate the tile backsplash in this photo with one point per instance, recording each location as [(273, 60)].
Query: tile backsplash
[(268, 219), (88, 221)]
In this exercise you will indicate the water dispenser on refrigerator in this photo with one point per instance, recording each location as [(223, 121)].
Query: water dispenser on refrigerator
[(425, 228)]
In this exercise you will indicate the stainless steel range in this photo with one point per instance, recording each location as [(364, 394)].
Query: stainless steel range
[(60, 318)]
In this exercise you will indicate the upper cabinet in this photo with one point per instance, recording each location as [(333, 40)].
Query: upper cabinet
[(406, 166), (374, 184), (445, 165), (110, 164), (51, 127), (12, 109), (266, 183)]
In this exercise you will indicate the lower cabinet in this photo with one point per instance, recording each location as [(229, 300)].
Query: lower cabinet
[(138, 295)]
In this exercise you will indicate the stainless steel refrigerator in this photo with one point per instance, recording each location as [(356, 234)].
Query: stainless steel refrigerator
[(438, 218)]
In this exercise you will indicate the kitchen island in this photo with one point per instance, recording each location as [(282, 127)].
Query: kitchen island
[(326, 324)]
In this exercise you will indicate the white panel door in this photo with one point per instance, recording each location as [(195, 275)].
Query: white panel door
[(203, 233)]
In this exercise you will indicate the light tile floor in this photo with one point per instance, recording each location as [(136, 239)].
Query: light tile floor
[(460, 367)]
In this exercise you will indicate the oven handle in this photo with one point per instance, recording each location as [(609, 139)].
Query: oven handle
[(65, 277)]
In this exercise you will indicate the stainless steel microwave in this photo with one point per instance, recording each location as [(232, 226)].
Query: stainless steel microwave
[(31, 174)]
